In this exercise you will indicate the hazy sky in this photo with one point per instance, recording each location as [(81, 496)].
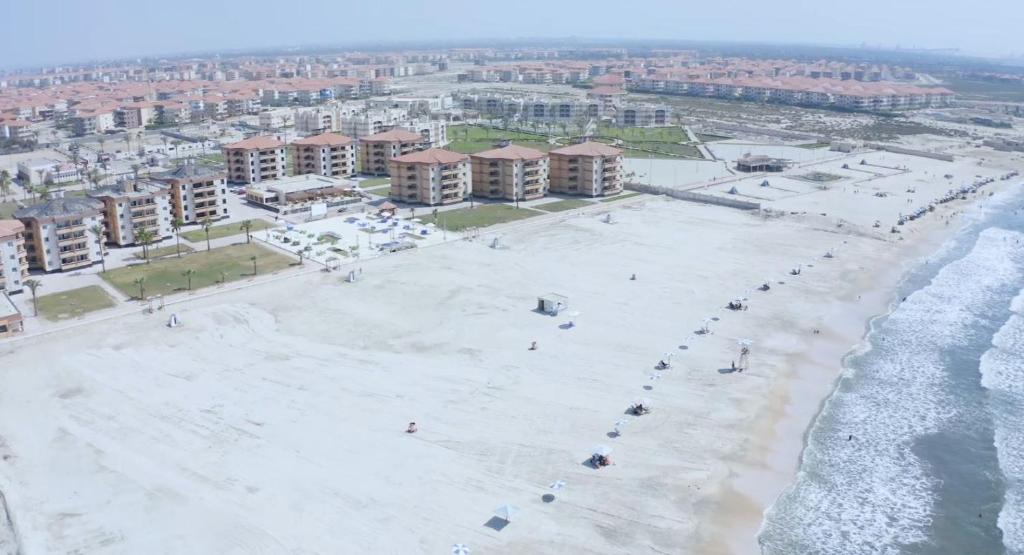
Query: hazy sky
[(49, 31)]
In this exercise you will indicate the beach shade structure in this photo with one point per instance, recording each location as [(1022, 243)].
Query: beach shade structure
[(506, 512), (601, 450), (461, 549), (552, 303), (173, 321), (556, 485)]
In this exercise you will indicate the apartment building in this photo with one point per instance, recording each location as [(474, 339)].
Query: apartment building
[(136, 114), (57, 232), (13, 257), (377, 150), (87, 122), (327, 154), (256, 159), (133, 206), (510, 172), (643, 116), (197, 192), (432, 176), (589, 168)]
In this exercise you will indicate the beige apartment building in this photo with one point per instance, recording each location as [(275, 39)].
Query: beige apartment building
[(256, 159), (13, 257), (376, 151), (432, 176), (57, 232), (511, 172), (589, 168), (133, 206), (197, 192), (328, 154)]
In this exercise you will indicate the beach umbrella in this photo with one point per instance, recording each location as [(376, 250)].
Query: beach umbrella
[(557, 485), (506, 512), (461, 549), (602, 450)]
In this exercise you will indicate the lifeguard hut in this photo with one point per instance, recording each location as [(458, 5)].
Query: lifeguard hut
[(552, 303)]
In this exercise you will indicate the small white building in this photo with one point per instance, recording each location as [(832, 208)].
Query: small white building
[(38, 171)]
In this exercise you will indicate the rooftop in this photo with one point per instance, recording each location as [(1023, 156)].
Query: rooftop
[(304, 182), (256, 143), (190, 171), (7, 308), (10, 227), (431, 156), (511, 152), (60, 207)]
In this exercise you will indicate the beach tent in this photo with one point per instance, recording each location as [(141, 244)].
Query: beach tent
[(552, 303), (460, 549), (506, 512)]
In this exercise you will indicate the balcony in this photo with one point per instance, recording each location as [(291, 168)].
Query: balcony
[(143, 215), (71, 226)]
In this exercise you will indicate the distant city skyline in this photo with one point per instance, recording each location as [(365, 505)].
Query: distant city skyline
[(66, 31)]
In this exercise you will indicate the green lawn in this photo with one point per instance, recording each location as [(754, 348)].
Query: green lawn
[(224, 230), (211, 160), (472, 147), (480, 216), (490, 135), (561, 205), (709, 138), (166, 251), (373, 181), (74, 303), (674, 134), (382, 191), (7, 210), (620, 196), (661, 150), (165, 276), (813, 145)]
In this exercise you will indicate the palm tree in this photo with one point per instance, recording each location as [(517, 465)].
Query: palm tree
[(207, 223), (141, 282), (144, 237), (176, 225), (247, 226), (188, 275), (253, 258), (97, 230), (95, 177), (32, 285), (42, 177), (5, 183)]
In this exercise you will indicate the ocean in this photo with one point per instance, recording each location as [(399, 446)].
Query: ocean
[(920, 447)]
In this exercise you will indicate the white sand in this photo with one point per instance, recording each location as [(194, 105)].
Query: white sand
[(273, 421)]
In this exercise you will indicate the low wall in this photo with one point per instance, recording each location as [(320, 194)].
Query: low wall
[(912, 152), (694, 196)]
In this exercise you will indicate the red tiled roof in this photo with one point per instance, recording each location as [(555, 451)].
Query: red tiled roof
[(256, 143), (511, 152), (10, 227), (431, 156)]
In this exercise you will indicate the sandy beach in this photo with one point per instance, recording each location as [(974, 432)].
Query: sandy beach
[(274, 420)]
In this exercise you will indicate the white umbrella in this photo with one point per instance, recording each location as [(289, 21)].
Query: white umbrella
[(460, 549), (557, 485), (644, 401), (602, 450), (506, 512)]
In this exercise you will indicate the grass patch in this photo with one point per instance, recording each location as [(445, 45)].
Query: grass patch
[(74, 303), (620, 196), (211, 160), (225, 230), (674, 134), (562, 205), (812, 146), (472, 147), (490, 135), (165, 276), (374, 181), (382, 191), (165, 251), (710, 137), (480, 216), (661, 150), (7, 210)]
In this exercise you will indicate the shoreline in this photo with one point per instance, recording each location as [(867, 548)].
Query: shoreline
[(765, 468)]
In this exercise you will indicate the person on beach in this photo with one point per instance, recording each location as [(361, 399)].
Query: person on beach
[(412, 428), (533, 346), (632, 277)]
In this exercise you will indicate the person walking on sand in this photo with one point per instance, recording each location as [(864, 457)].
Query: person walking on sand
[(533, 346)]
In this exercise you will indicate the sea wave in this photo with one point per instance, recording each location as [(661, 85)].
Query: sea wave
[(1002, 370), (861, 488)]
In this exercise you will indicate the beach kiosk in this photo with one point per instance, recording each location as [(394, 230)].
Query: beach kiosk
[(552, 303)]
